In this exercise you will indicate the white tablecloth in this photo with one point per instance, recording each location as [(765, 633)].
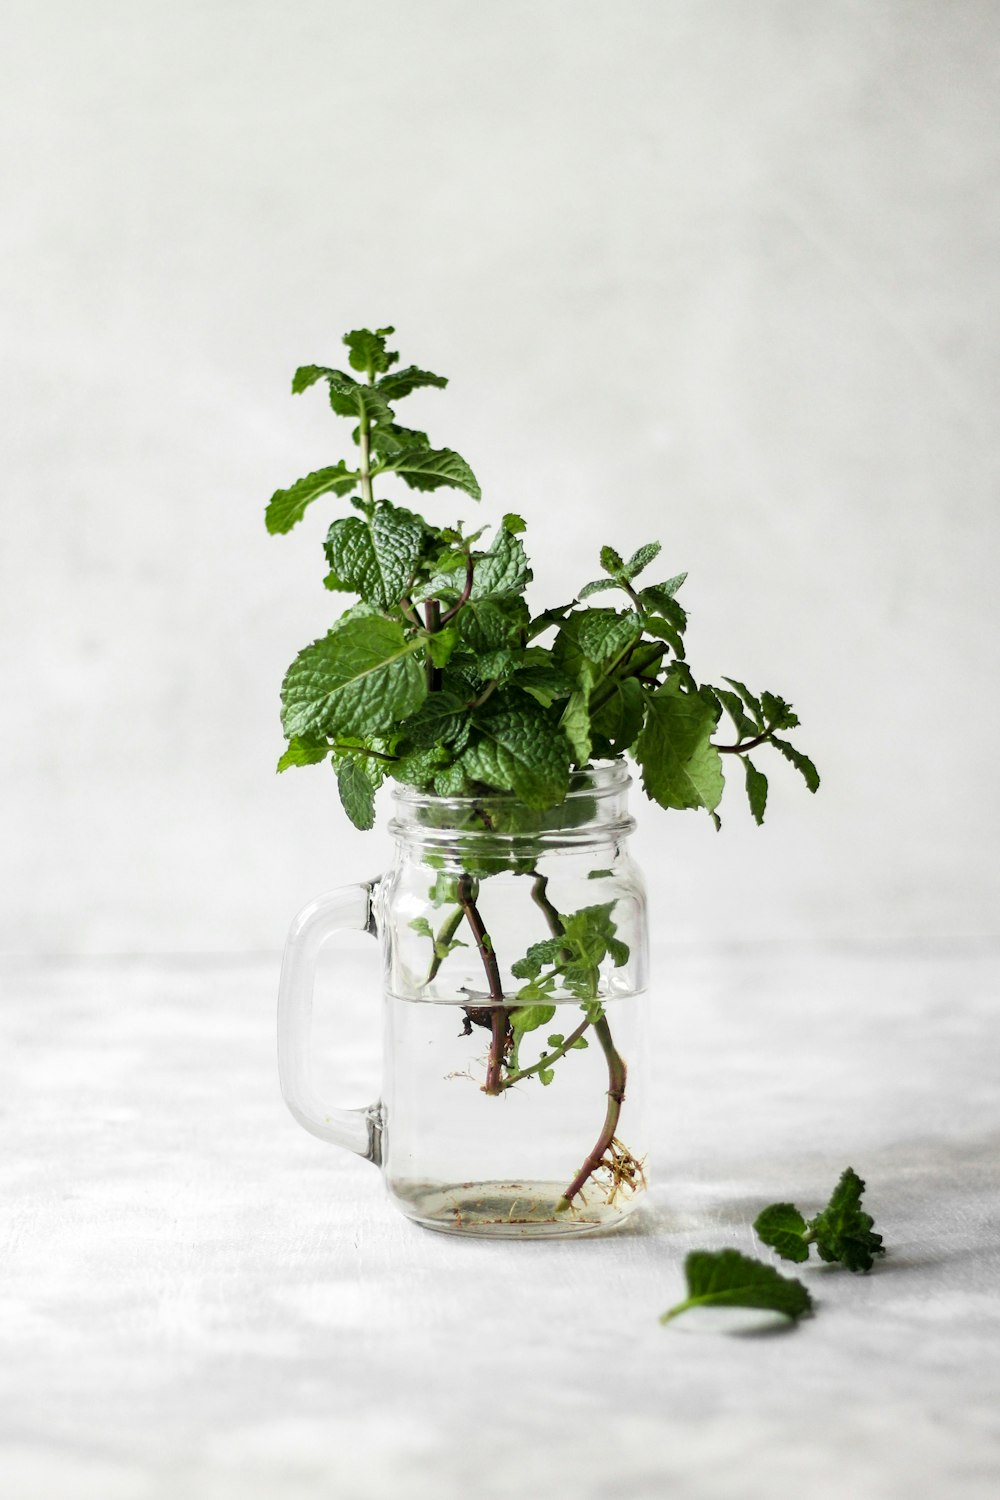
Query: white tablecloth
[(199, 1300)]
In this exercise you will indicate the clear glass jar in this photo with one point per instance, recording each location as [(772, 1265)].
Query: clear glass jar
[(514, 974)]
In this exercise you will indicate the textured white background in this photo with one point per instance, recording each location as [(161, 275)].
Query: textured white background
[(720, 273)]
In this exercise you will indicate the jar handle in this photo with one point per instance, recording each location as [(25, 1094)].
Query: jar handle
[(348, 909)]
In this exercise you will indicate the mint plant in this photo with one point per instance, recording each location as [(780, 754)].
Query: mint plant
[(440, 676)]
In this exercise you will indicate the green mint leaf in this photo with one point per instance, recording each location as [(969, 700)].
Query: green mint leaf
[(303, 750), (375, 554), (401, 382), (664, 606), (420, 767), (430, 468), (305, 376), (599, 586), (452, 782), (360, 678), (368, 352), (441, 644), (348, 397), (423, 927), (733, 704), (492, 624), (641, 558), (357, 794), (575, 721), (442, 719), (545, 1076), (801, 762), (611, 561), (726, 1278), (778, 713), (680, 766), (843, 1231), (620, 717), (783, 1228), (514, 523), (519, 750), (390, 440), (665, 630), (529, 1017), (287, 507), (657, 592), (503, 569), (598, 636), (546, 684), (756, 790), (590, 935), (752, 703), (539, 954)]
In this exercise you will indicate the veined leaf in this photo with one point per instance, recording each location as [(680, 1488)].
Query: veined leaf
[(733, 704), (401, 382), (357, 794), (843, 1231), (778, 713), (529, 1017), (303, 750), (660, 591), (725, 1278), (492, 624), (752, 703), (441, 719), (599, 636), (390, 440), (375, 554), (756, 790), (575, 721), (546, 684), (619, 718), (348, 397), (783, 1228), (599, 586), (360, 679), (368, 353), (611, 561), (503, 569), (287, 507), (430, 468), (801, 762), (680, 766), (519, 750), (641, 558)]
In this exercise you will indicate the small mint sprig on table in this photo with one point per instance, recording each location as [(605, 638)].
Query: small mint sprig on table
[(727, 1278), (842, 1232)]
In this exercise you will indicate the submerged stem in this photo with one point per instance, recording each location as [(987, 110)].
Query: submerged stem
[(617, 1071), (617, 1074), (499, 1020)]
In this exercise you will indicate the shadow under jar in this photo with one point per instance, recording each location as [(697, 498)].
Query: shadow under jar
[(514, 974)]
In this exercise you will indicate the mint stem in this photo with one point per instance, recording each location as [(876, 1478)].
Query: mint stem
[(746, 745), (550, 1057), (617, 1074), (499, 1020), (617, 1071)]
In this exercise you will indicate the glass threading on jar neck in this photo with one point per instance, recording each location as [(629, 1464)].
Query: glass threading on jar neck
[(593, 813)]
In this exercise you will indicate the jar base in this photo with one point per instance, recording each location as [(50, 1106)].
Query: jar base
[(505, 1210)]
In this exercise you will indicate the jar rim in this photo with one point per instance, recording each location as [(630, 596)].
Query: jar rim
[(595, 807)]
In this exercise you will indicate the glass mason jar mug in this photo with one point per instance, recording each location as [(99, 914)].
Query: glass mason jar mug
[(514, 969)]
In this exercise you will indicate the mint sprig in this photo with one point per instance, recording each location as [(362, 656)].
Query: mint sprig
[(842, 1232), (441, 614)]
